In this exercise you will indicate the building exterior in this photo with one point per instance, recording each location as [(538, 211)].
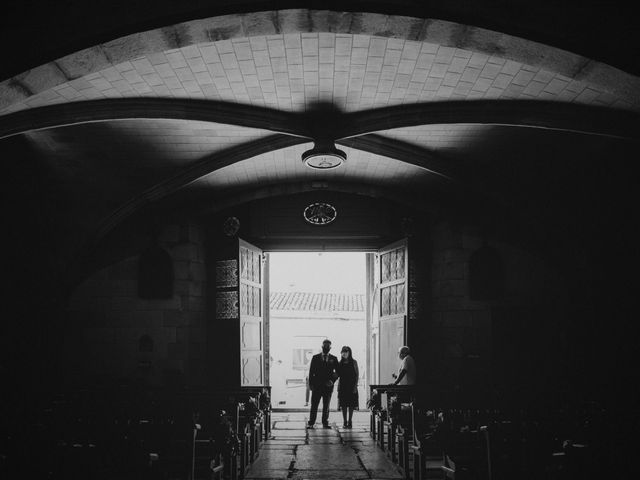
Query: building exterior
[(298, 323)]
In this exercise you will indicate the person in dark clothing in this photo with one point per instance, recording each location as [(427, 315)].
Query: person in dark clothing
[(322, 375), (348, 386), (307, 389)]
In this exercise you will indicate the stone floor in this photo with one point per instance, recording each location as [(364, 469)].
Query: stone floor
[(296, 453)]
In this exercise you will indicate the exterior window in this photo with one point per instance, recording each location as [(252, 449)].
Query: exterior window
[(302, 358)]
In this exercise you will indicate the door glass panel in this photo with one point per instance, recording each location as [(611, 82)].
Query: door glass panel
[(251, 320), (392, 291)]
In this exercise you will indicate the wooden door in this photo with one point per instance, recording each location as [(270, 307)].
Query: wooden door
[(251, 310), (372, 318), (392, 292)]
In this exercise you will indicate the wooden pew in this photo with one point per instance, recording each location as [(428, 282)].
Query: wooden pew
[(86, 434), (244, 412), (131, 432), (391, 415), (426, 454), (466, 452)]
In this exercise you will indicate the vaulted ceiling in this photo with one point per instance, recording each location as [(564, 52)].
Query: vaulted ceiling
[(201, 106)]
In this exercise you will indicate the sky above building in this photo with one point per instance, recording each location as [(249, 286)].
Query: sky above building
[(319, 272)]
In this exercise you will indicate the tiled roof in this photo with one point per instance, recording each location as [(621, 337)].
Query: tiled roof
[(317, 302)]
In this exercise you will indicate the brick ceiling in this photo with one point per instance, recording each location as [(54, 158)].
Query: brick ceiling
[(353, 72), (111, 163)]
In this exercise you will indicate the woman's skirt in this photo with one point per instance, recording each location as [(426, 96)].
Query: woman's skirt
[(347, 399)]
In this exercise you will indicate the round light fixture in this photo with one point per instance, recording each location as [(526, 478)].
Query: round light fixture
[(324, 156), (320, 213)]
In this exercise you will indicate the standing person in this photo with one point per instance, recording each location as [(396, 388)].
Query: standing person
[(322, 375), (407, 371), (348, 386), (307, 392)]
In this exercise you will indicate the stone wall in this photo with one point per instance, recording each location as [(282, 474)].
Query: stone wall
[(107, 320), (464, 347), (484, 350)]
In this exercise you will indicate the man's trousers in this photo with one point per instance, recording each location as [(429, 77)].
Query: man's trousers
[(316, 395)]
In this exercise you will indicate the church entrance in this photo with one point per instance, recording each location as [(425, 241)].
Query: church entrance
[(314, 296), (287, 302)]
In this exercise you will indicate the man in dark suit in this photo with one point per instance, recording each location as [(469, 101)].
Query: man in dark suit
[(322, 375)]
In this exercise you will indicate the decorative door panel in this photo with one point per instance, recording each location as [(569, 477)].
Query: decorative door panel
[(391, 339), (250, 260), (392, 308)]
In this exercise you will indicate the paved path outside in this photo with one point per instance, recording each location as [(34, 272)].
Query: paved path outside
[(294, 452)]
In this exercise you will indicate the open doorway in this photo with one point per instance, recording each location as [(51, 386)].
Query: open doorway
[(313, 296)]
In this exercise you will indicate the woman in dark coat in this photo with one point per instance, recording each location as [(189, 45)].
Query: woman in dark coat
[(348, 386)]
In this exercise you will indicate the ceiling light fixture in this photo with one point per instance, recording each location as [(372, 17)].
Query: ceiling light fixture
[(324, 156)]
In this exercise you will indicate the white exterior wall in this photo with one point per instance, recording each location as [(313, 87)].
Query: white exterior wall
[(290, 330)]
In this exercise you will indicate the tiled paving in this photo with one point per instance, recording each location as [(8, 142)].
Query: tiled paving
[(296, 453)]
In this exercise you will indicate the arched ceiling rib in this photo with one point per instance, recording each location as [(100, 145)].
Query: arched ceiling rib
[(76, 113), (350, 129), (404, 152), (520, 113), (285, 166), (192, 173)]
